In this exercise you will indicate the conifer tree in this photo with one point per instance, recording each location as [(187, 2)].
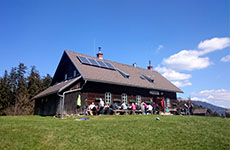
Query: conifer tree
[(22, 95), (5, 93), (17, 90), (34, 82), (13, 84), (46, 81)]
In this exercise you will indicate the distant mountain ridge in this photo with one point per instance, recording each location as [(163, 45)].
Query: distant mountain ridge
[(214, 108)]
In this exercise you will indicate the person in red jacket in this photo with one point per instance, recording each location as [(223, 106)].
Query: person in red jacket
[(162, 104)]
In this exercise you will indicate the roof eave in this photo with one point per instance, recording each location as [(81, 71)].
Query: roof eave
[(58, 90), (101, 81), (67, 85), (37, 97)]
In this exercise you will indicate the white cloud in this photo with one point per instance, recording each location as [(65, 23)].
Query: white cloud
[(182, 83), (225, 58), (220, 97), (187, 60), (217, 95), (172, 74), (214, 44), (192, 59), (177, 78), (199, 99)]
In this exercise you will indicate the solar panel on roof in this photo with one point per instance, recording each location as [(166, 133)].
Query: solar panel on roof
[(93, 62), (101, 64), (110, 66), (83, 60)]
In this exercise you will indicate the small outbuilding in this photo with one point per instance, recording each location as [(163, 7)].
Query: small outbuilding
[(200, 112)]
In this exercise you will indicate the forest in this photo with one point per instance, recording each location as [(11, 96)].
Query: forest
[(18, 87)]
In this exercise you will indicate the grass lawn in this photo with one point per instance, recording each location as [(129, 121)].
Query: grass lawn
[(115, 132)]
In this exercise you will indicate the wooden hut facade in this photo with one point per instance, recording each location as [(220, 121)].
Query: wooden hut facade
[(89, 79)]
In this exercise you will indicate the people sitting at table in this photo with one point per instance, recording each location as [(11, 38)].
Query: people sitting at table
[(133, 106), (116, 106), (150, 109), (113, 107), (124, 106), (106, 109), (129, 106), (91, 109), (146, 107), (143, 108), (154, 105), (138, 107)]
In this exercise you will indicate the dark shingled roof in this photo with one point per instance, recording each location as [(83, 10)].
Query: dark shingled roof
[(98, 74), (52, 89), (102, 75)]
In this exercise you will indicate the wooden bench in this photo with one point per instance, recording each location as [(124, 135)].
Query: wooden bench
[(173, 110), (126, 112), (119, 112), (134, 112)]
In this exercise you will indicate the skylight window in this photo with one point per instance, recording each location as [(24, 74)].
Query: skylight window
[(124, 74), (150, 79)]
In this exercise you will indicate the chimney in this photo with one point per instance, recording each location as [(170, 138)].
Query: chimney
[(99, 54), (135, 64), (150, 67)]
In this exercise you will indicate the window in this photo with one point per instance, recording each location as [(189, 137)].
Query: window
[(65, 76), (150, 79), (108, 97), (74, 73), (138, 99), (124, 98), (124, 74)]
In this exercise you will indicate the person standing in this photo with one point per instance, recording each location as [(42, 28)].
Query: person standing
[(146, 108), (143, 108), (162, 105), (101, 107), (154, 107)]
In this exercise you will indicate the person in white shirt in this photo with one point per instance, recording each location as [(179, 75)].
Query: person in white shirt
[(150, 108), (124, 106), (101, 108), (90, 108)]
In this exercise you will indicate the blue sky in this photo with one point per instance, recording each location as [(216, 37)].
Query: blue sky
[(187, 41)]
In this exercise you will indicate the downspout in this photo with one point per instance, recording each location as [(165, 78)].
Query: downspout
[(63, 97)]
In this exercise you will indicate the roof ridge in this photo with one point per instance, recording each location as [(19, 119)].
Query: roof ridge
[(109, 60)]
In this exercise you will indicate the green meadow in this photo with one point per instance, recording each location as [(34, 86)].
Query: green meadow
[(124, 132)]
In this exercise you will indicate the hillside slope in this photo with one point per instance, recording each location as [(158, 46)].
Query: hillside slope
[(214, 108)]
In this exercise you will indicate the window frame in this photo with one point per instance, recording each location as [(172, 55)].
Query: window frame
[(138, 99), (108, 98), (124, 98)]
